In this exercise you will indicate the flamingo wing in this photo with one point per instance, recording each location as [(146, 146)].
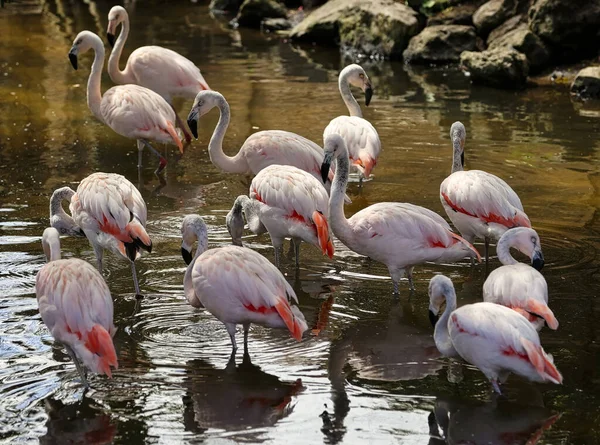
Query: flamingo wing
[(362, 140)]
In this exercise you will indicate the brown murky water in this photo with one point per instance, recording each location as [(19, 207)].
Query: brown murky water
[(373, 374)]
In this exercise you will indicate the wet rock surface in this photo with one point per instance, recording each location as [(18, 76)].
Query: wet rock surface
[(443, 43), (587, 83), (253, 12), (500, 67), (526, 42)]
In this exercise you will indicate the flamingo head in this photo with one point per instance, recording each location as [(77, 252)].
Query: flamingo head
[(356, 76), (441, 290), (235, 221), (334, 147), (458, 134), (205, 101), (526, 241), (193, 228), (116, 15), (82, 43)]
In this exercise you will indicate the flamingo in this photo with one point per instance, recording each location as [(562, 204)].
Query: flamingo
[(400, 235), (159, 69), (237, 285), (130, 110), (360, 136), (76, 306), (286, 202), (517, 285), (494, 338), (478, 203), (111, 213), (261, 149)]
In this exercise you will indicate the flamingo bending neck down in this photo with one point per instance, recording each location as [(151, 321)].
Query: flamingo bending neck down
[(362, 140), (261, 149), (478, 203), (237, 285), (111, 213), (400, 235), (286, 202), (130, 110), (76, 306), (162, 70), (517, 285), (492, 337)]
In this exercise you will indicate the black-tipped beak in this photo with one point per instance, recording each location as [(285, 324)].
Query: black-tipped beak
[(187, 256), (82, 233), (111, 39), (192, 122), (462, 159), (433, 318), (73, 58), (368, 95), (537, 262), (325, 167)]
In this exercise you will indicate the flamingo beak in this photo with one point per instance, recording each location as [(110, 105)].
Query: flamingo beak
[(73, 57), (110, 32), (368, 94), (462, 159), (433, 318), (192, 122), (187, 255), (537, 261), (326, 166), (111, 39)]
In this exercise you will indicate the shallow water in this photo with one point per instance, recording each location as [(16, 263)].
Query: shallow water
[(373, 373)]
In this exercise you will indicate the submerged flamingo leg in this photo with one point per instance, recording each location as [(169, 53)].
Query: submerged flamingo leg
[(162, 162), (246, 329), (80, 370), (231, 330), (138, 294)]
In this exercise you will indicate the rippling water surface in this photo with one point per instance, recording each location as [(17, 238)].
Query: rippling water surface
[(373, 373)]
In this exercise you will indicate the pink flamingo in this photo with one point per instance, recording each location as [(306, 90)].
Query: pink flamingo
[(286, 202), (159, 69), (517, 285), (260, 149), (362, 140), (76, 306), (111, 213), (237, 285), (400, 235), (130, 110), (492, 337), (478, 203)]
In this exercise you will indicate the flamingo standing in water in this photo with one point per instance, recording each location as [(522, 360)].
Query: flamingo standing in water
[(286, 202), (111, 213), (76, 306), (130, 110), (492, 337), (360, 136), (400, 235), (478, 203), (237, 285), (517, 285), (261, 149), (159, 69)]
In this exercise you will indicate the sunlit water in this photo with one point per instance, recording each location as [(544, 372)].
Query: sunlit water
[(373, 373)]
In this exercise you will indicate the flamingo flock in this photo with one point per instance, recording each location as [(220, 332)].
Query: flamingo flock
[(298, 192)]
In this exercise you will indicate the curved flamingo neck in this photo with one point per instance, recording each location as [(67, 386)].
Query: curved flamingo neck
[(116, 75), (337, 218), (250, 207), (457, 156), (57, 213), (51, 246), (503, 250), (94, 95), (441, 335), (188, 285), (235, 164), (348, 98)]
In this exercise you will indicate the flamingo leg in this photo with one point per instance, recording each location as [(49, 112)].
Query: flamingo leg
[(80, 370), (277, 256), (138, 294), (496, 386), (487, 249), (411, 283), (246, 329), (231, 330), (296, 242), (99, 252), (162, 162), (181, 124)]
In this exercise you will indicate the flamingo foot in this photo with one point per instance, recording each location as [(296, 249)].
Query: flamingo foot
[(496, 387), (161, 166)]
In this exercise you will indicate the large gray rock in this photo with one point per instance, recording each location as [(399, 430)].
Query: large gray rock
[(253, 12), (509, 25), (572, 27), (275, 25), (523, 40), (454, 15), (492, 14), (587, 83), (373, 27), (500, 67), (231, 6), (443, 43)]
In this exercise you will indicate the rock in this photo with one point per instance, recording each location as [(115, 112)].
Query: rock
[(571, 27), (506, 27), (500, 67), (523, 40), (372, 27), (231, 6), (275, 24), (443, 43), (492, 14), (455, 15), (587, 83), (253, 12)]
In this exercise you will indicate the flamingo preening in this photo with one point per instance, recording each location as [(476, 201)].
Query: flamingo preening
[(130, 110), (286, 202), (159, 69), (400, 235), (111, 213), (237, 285), (494, 338), (362, 140), (478, 203), (76, 306), (519, 286)]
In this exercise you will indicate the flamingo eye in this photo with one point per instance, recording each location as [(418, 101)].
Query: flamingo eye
[(361, 75), (533, 240), (78, 42), (63, 230)]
